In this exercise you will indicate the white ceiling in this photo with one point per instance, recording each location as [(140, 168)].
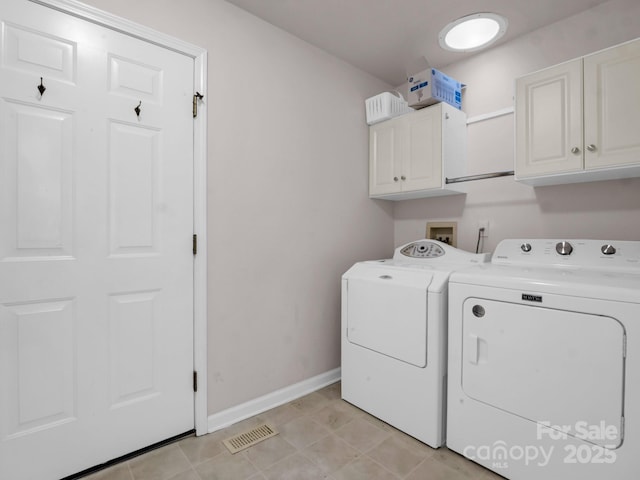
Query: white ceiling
[(391, 38)]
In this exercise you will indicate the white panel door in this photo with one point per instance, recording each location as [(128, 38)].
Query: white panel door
[(96, 267)]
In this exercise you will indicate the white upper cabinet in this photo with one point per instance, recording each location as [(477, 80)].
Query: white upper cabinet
[(412, 155), (612, 107), (549, 121), (579, 121)]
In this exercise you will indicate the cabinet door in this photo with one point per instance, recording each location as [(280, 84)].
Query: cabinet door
[(422, 164), (549, 121), (385, 153), (611, 106)]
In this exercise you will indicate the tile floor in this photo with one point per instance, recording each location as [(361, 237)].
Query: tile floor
[(321, 437)]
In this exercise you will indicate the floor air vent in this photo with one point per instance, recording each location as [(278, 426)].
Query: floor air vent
[(250, 438)]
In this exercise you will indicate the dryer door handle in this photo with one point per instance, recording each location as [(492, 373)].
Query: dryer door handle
[(472, 348)]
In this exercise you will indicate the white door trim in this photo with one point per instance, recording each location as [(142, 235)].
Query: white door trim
[(94, 15)]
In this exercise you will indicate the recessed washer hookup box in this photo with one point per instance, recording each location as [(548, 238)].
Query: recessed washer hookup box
[(432, 86)]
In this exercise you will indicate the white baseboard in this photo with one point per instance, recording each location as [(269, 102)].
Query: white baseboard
[(271, 400)]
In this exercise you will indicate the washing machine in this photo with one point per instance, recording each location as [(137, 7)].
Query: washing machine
[(544, 360), (394, 336)]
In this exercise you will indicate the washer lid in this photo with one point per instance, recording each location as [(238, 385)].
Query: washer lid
[(438, 274), (386, 311)]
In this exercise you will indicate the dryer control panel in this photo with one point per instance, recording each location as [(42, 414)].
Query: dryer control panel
[(605, 254)]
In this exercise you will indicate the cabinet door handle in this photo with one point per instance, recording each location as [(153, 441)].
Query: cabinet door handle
[(395, 179), (403, 178), (575, 150), (591, 148)]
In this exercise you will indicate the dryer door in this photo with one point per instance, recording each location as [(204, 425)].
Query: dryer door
[(543, 364), (387, 311)]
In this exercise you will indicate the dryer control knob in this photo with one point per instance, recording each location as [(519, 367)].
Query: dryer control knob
[(564, 248), (525, 247), (608, 249)]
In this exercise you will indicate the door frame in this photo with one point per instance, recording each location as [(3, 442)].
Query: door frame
[(199, 55)]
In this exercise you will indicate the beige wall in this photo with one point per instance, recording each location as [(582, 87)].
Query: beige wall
[(288, 206), (607, 210), (287, 197)]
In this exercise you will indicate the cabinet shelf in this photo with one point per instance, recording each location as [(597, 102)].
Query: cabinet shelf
[(411, 156), (579, 121)]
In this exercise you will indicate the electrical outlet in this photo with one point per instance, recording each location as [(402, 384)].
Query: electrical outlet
[(484, 224)]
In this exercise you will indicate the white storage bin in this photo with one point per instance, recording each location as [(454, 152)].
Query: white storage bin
[(385, 106)]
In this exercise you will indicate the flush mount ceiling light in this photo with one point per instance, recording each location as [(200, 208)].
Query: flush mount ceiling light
[(473, 32)]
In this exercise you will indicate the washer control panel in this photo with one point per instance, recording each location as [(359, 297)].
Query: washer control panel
[(426, 253), (422, 249)]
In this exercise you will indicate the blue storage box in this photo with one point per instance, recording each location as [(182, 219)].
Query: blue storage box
[(432, 86)]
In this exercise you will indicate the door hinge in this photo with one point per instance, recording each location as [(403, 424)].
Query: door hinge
[(195, 244), (195, 381), (196, 97)]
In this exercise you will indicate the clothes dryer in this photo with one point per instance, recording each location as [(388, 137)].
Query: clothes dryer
[(394, 336), (544, 360)]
